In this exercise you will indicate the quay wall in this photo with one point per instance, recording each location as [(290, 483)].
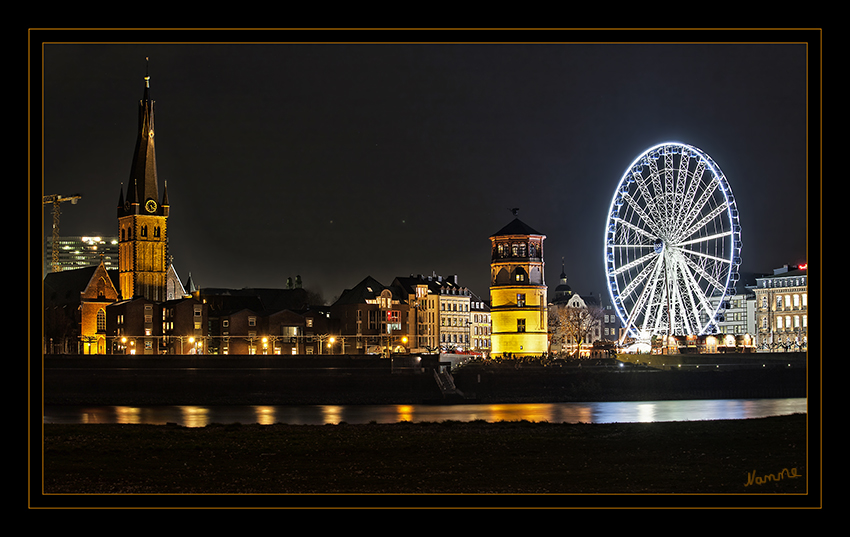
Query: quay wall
[(277, 380)]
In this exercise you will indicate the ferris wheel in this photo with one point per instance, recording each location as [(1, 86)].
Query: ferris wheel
[(672, 243)]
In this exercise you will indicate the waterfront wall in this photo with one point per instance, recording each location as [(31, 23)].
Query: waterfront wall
[(211, 380), (275, 380), (718, 361)]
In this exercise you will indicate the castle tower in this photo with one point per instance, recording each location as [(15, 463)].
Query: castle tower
[(142, 217), (518, 303)]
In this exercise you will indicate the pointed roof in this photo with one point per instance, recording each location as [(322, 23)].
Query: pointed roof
[(66, 286), (516, 227), (368, 289), (143, 178), (190, 284)]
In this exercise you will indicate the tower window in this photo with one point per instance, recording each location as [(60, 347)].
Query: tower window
[(520, 325)]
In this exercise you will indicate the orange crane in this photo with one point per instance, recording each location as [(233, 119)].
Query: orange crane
[(56, 200)]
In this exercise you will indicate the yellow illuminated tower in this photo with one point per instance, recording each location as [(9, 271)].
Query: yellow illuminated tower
[(518, 310), (142, 217)]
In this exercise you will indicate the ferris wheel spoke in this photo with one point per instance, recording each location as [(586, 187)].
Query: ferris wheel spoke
[(645, 218), (707, 238), (698, 207), (705, 256), (709, 278), (637, 262), (644, 298), (691, 300), (687, 197), (636, 229), (643, 276), (711, 215), (699, 300), (650, 199)]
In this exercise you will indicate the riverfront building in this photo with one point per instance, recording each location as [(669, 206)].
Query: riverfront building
[(781, 310), (518, 304)]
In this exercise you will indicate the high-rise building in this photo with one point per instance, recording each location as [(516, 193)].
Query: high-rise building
[(142, 217), (79, 252), (518, 304)]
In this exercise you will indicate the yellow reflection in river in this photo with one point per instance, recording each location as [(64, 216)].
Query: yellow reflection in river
[(265, 415), (331, 414), (528, 412), (195, 416), (405, 412), (128, 414)]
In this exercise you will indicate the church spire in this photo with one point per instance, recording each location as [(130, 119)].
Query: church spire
[(143, 177)]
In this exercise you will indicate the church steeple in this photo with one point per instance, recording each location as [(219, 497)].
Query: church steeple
[(143, 217), (143, 185)]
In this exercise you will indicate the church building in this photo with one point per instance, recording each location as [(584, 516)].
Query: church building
[(145, 308)]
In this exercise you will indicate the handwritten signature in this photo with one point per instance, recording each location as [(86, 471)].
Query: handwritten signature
[(753, 479)]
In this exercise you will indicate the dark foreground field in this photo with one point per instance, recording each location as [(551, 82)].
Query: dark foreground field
[(473, 463)]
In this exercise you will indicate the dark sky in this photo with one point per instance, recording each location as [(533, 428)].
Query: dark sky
[(338, 161)]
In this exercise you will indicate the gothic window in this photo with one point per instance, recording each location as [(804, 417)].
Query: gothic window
[(101, 320)]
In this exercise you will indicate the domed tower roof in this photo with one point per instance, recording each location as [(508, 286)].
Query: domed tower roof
[(563, 291)]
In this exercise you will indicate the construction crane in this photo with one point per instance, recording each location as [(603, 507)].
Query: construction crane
[(56, 200)]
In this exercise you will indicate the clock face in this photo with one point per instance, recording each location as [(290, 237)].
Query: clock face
[(150, 205)]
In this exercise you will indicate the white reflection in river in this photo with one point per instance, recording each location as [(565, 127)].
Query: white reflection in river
[(604, 412)]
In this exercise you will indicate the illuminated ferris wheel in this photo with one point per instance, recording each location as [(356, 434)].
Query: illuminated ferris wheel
[(672, 243)]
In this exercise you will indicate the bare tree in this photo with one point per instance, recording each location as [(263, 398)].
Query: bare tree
[(574, 325)]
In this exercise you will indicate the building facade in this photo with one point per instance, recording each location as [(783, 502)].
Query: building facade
[(518, 303), (374, 318), (480, 325), (781, 310), (737, 316)]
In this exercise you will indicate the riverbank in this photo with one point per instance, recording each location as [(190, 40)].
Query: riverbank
[(210, 381), (477, 463)]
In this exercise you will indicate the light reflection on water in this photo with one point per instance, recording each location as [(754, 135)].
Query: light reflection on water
[(604, 412)]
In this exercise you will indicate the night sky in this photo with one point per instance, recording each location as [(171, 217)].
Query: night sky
[(338, 161)]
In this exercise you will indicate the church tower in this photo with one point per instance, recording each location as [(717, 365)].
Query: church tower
[(142, 217), (518, 303)]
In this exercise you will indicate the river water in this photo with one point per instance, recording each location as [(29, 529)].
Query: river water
[(602, 412)]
